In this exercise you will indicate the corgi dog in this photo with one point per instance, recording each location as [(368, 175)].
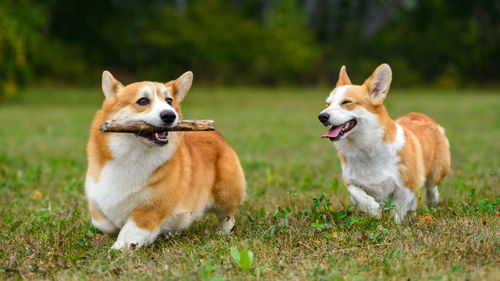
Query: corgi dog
[(142, 185), (383, 159)]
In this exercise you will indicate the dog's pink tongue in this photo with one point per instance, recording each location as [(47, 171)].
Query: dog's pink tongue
[(333, 132)]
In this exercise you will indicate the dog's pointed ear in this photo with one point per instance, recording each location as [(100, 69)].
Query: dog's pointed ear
[(343, 78), (182, 85), (110, 86), (379, 83)]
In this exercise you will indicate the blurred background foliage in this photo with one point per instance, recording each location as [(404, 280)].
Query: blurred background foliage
[(253, 42)]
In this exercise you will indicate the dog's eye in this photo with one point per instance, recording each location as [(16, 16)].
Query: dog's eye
[(346, 102), (143, 101), (169, 101)]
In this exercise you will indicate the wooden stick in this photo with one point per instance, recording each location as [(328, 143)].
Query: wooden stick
[(142, 127)]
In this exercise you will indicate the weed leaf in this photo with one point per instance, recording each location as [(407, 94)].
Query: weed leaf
[(235, 254), (245, 260)]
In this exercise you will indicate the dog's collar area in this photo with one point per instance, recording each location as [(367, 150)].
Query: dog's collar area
[(337, 131)]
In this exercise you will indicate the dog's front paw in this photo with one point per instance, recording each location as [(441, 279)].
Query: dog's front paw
[(123, 245), (375, 210), (106, 226), (118, 245), (132, 237)]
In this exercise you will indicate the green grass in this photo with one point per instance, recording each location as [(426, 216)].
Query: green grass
[(293, 231)]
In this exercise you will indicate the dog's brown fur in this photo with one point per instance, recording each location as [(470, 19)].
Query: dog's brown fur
[(203, 172)]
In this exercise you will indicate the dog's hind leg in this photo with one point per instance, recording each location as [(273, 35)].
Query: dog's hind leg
[(225, 217), (364, 201), (229, 190), (404, 200), (226, 223), (432, 194), (227, 200)]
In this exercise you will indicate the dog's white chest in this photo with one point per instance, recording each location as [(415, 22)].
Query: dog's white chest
[(375, 170), (122, 182), (118, 191), (377, 178)]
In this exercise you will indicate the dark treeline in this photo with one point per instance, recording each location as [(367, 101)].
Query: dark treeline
[(261, 42)]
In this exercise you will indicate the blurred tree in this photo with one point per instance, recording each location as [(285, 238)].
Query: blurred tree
[(224, 46), (20, 24), (246, 41), (445, 43)]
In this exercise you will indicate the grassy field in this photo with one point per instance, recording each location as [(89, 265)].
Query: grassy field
[(297, 221)]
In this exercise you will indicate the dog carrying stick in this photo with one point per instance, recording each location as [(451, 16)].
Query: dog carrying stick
[(142, 127)]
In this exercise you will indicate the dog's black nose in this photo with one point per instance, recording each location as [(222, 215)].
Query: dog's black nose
[(324, 117), (168, 116)]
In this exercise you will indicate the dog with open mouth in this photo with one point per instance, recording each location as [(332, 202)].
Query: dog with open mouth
[(142, 185), (383, 159)]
